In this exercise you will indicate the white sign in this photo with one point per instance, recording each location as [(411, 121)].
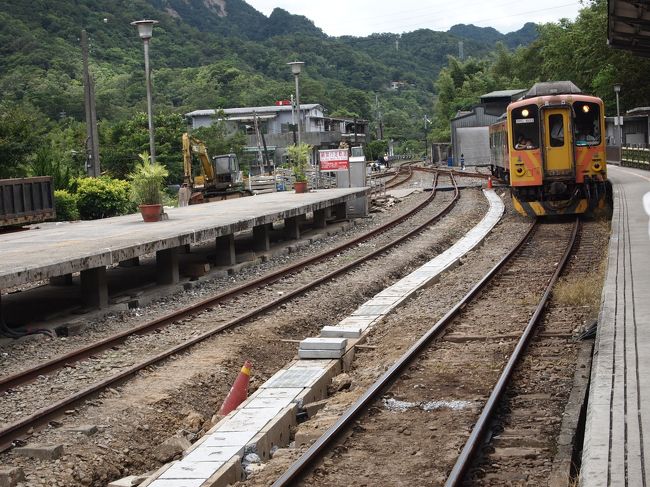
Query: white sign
[(525, 120), (333, 160)]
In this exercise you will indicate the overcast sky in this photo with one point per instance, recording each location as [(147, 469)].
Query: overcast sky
[(364, 17)]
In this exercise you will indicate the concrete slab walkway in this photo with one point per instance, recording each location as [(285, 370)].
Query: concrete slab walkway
[(617, 437)]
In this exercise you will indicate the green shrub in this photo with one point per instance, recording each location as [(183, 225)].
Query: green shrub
[(65, 204), (102, 197)]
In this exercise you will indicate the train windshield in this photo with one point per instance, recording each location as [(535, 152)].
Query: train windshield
[(586, 123), (525, 127)]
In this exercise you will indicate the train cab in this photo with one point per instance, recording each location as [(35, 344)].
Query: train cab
[(556, 151)]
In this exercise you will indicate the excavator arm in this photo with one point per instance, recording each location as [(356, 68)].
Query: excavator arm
[(192, 145)]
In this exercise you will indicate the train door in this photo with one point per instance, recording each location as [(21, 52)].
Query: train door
[(558, 146)]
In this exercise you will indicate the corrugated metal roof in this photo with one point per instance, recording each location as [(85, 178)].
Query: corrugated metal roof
[(628, 24), (476, 118), (502, 93), (639, 111), (247, 110)]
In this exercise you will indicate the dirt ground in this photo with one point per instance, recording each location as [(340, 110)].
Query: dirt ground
[(181, 396)]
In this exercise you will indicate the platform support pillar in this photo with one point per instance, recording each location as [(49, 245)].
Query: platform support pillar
[(292, 228), (94, 287), (225, 247), (341, 211), (261, 237), (167, 266), (320, 218), (64, 280)]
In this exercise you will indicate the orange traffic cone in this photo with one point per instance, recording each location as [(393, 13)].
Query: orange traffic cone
[(238, 391), (489, 182)]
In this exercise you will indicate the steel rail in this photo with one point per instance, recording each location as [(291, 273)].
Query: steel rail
[(56, 363), (391, 183), (374, 391), (467, 174), (9, 433), (467, 454)]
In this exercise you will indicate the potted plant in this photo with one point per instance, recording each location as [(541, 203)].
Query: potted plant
[(146, 187), (298, 160)]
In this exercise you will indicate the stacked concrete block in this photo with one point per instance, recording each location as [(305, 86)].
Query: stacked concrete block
[(319, 347)]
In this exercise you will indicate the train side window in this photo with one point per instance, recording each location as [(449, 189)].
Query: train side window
[(587, 123), (525, 127)]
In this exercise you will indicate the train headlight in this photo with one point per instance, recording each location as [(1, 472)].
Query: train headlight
[(586, 108), (525, 112)]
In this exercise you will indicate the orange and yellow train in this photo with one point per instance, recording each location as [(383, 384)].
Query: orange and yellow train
[(550, 148)]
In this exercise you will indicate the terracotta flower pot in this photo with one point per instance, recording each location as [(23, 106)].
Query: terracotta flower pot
[(300, 186), (151, 213)]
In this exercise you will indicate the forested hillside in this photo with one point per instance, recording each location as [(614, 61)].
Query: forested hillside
[(204, 54), (224, 53)]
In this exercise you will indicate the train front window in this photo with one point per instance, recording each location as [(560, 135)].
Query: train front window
[(586, 123), (525, 127)]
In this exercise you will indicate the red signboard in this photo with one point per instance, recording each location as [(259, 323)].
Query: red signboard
[(333, 160)]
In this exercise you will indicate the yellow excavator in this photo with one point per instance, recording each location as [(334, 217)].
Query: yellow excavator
[(220, 176)]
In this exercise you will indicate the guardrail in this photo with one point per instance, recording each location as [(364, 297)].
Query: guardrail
[(635, 156)]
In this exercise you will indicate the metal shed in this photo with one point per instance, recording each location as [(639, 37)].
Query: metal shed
[(470, 129)]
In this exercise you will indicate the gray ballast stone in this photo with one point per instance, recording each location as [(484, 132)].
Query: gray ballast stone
[(42, 452), (318, 343), (309, 354), (10, 476), (341, 332), (84, 429)]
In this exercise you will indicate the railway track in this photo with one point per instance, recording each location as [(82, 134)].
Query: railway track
[(12, 383), (403, 175), (528, 452), (412, 422)]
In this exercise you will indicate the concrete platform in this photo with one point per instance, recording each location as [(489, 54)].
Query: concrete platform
[(617, 437), (265, 419), (91, 246)]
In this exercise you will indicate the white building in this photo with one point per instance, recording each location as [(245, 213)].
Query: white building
[(276, 122)]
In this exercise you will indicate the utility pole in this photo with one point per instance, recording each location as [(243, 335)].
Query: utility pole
[(380, 123), (426, 149), (258, 136), (92, 137)]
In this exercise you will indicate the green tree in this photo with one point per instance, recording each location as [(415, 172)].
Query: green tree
[(375, 149), (21, 134), (122, 141)]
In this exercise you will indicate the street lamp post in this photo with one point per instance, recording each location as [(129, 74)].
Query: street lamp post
[(145, 30), (296, 67), (617, 90)]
